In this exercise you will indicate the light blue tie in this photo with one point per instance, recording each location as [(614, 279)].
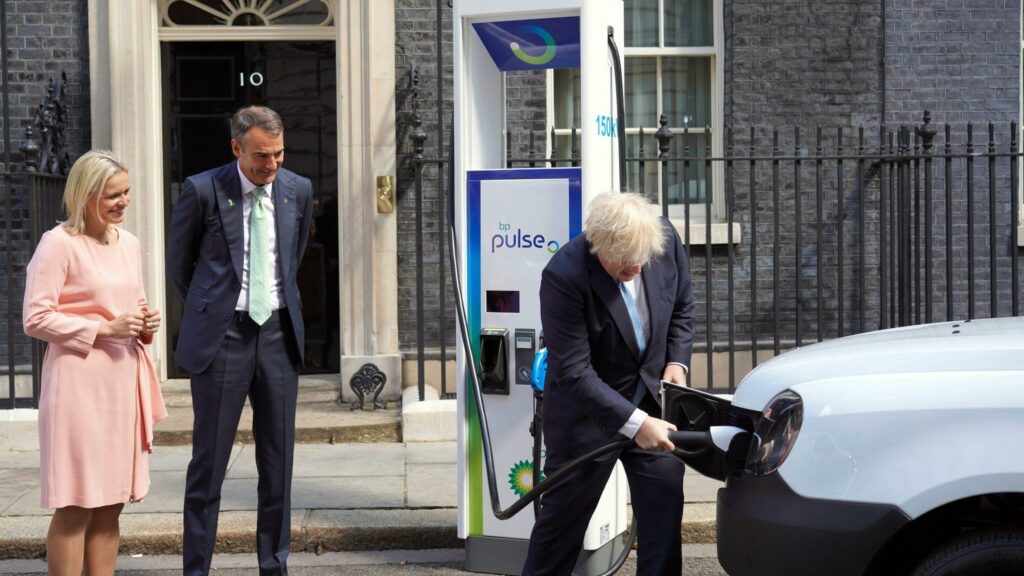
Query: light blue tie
[(638, 329), (259, 260), (634, 315)]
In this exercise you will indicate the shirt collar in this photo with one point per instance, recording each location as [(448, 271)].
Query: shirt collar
[(635, 284), (247, 184)]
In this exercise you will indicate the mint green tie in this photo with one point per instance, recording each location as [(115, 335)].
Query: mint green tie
[(259, 260)]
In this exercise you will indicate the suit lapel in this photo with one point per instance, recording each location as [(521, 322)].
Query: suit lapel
[(228, 188), (284, 219), (652, 289), (607, 290)]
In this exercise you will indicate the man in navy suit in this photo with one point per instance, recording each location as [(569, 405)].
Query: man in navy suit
[(237, 238), (617, 312)]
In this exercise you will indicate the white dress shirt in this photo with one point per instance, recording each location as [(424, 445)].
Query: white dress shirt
[(276, 294), (636, 289)]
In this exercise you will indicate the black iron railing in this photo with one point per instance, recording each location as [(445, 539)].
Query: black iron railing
[(45, 210), (821, 237), (39, 190)]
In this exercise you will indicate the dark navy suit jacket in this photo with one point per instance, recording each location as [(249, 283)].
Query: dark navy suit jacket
[(205, 251), (594, 362)]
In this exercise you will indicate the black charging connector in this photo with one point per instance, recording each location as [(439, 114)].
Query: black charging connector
[(494, 361)]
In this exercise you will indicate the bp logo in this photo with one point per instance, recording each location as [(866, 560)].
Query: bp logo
[(549, 47), (532, 44), (520, 477)]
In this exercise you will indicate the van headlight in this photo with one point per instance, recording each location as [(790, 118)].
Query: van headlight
[(775, 433)]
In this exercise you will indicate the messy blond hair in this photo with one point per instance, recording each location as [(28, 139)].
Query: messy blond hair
[(624, 229), (86, 181)]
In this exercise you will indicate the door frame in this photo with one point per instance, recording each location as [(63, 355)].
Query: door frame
[(126, 110)]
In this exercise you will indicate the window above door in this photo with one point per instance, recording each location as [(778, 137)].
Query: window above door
[(673, 66), (247, 19)]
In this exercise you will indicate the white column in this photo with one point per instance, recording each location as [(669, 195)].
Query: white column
[(366, 149), (136, 135)]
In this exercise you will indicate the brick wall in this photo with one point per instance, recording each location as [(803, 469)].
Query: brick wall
[(416, 27), (793, 62), (960, 59), (796, 65), (416, 49), (43, 39)]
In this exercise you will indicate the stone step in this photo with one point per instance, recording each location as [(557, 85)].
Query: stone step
[(319, 417)]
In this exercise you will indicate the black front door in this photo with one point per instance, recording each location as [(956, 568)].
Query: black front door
[(204, 83)]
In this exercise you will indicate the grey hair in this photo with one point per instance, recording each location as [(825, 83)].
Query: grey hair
[(250, 116), (624, 228)]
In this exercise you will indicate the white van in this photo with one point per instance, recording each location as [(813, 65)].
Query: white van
[(892, 452)]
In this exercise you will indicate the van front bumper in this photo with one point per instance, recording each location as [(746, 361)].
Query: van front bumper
[(766, 529)]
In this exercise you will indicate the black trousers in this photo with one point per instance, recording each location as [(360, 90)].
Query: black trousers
[(656, 491), (258, 362)]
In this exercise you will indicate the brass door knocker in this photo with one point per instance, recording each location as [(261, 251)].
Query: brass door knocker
[(385, 194)]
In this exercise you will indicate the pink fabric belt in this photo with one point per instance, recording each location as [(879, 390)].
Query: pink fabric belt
[(151, 400)]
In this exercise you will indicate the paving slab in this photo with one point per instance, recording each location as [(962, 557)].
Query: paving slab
[(166, 493), (19, 459), (431, 485), (15, 485), (699, 488), (431, 453), (349, 492), (177, 457), (27, 504), (333, 460)]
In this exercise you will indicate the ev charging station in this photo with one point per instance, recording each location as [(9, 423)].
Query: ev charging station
[(509, 223)]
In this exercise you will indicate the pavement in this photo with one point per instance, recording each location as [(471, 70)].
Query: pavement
[(366, 491)]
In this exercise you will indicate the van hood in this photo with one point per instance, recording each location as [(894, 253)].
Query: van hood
[(965, 346)]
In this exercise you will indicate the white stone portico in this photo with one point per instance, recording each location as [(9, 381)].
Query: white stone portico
[(126, 99)]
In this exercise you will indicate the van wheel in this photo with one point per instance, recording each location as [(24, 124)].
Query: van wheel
[(988, 552)]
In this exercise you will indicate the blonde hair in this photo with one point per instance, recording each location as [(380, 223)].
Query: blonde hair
[(623, 228), (86, 181)]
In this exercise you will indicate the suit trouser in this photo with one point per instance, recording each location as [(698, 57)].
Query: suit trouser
[(258, 362), (656, 490)]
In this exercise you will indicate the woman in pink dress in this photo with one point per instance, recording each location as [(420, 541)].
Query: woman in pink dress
[(100, 395)]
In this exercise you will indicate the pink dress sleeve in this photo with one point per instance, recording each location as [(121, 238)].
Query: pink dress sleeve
[(45, 278)]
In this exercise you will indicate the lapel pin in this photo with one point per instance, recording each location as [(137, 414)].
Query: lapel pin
[(231, 202), (285, 200)]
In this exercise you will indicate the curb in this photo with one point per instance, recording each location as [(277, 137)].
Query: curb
[(315, 531)]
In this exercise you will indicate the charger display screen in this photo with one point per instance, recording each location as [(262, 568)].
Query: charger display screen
[(503, 301)]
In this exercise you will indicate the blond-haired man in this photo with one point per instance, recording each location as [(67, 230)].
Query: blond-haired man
[(617, 312)]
